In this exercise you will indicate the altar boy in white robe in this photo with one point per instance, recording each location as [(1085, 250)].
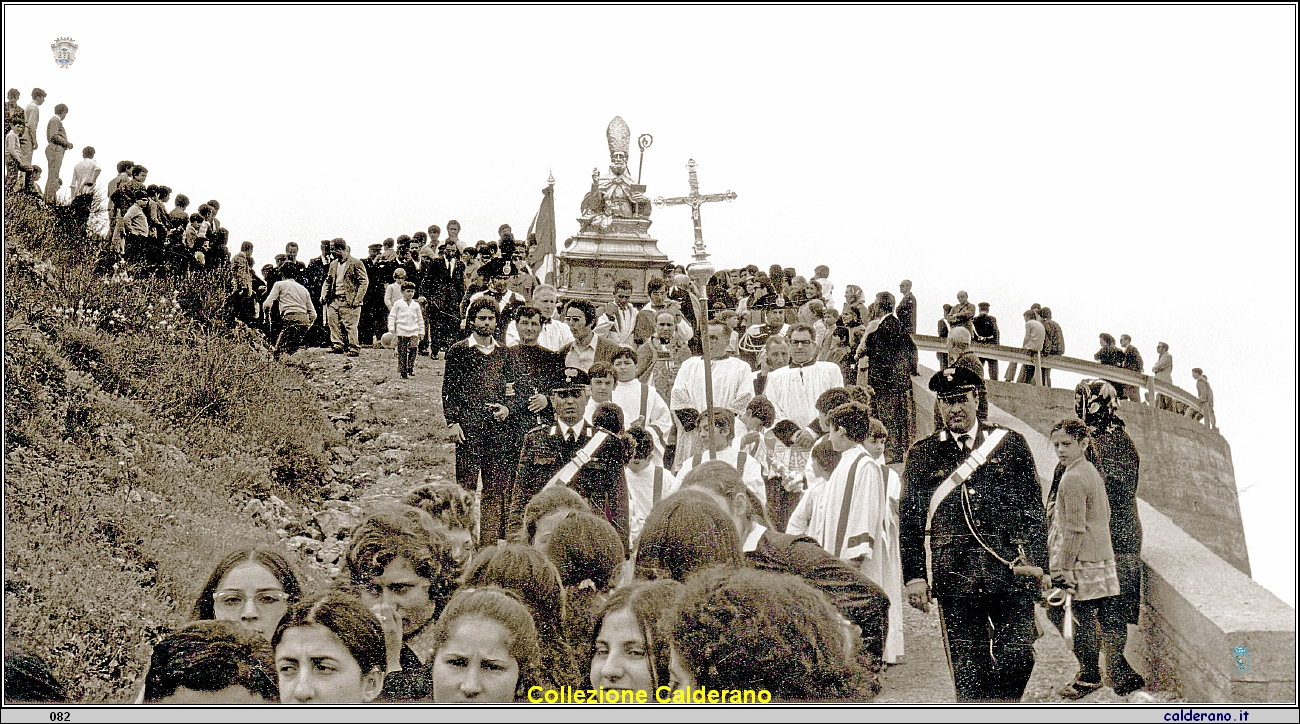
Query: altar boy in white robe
[(733, 388), (892, 562), (647, 481), (640, 401), (850, 521), (721, 440)]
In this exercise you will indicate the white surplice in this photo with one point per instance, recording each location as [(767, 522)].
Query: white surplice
[(733, 388)]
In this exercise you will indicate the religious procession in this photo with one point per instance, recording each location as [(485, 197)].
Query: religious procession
[(673, 483)]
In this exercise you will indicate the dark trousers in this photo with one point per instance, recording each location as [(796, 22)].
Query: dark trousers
[(406, 348), (780, 503), (990, 644), (293, 329), (481, 457), (1027, 375), (1101, 629), (897, 410), (993, 367)]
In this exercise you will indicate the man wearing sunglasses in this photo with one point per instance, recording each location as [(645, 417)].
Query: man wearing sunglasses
[(573, 453)]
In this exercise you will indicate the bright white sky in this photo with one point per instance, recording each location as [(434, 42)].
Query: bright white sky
[(1134, 168)]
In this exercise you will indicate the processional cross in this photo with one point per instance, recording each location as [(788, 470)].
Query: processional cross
[(694, 200)]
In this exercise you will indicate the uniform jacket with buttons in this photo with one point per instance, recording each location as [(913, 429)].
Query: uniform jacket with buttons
[(601, 481), (1006, 509)]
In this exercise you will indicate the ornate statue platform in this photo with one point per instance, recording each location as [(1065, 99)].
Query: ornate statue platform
[(613, 240)]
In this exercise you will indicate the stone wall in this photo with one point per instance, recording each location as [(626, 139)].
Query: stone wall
[(1207, 630), (1186, 471)]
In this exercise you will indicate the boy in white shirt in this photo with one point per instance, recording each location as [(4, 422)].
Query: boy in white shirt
[(393, 292), (406, 322)]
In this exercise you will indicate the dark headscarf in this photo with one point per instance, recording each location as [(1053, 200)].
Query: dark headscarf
[(1095, 402)]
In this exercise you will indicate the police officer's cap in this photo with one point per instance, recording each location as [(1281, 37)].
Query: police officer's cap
[(954, 383), (498, 268), (573, 378), (767, 301)]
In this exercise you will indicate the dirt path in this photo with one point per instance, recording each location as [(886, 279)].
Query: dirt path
[(395, 439)]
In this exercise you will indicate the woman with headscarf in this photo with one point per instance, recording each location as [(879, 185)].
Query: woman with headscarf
[(1116, 459)]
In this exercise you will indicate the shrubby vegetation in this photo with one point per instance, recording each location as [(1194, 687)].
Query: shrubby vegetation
[(137, 425)]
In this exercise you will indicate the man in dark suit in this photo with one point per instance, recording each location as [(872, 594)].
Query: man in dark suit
[(442, 284), (907, 306), (574, 453), (892, 357), (987, 541), (986, 332), (317, 270), (587, 348), (476, 393), (535, 368)]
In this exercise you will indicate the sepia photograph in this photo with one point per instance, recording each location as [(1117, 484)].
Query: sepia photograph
[(719, 356)]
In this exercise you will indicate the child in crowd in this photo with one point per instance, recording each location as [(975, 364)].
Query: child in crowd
[(602, 388), (892, 566), (406, 322), (393, 292), (647, 482), (761, 443), (195, 238), (821, 463)]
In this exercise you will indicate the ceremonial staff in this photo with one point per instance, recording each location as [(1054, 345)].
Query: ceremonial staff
[(699, 272)]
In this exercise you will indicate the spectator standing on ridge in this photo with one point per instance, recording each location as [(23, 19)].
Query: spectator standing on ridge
[(241, 285), (84, 177), (943, 334), (58, 144), (1053, 342), (1206, 396), (963, 312), (33, 115)]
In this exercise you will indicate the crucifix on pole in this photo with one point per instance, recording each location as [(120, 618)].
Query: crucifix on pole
[(698, 274), (694, 200)]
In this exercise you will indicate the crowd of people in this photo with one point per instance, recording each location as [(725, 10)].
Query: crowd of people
[(621, 531)]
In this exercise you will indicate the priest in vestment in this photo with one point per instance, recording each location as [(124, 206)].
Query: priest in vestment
[(794, 390), (733, 388)]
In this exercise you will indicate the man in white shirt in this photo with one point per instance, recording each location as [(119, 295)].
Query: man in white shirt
[(555, 331), (733, 388), (85, 174), (719, 445), (619, 319)]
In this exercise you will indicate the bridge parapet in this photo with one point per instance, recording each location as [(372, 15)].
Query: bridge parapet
[(1207, 630), (1087, 368)]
